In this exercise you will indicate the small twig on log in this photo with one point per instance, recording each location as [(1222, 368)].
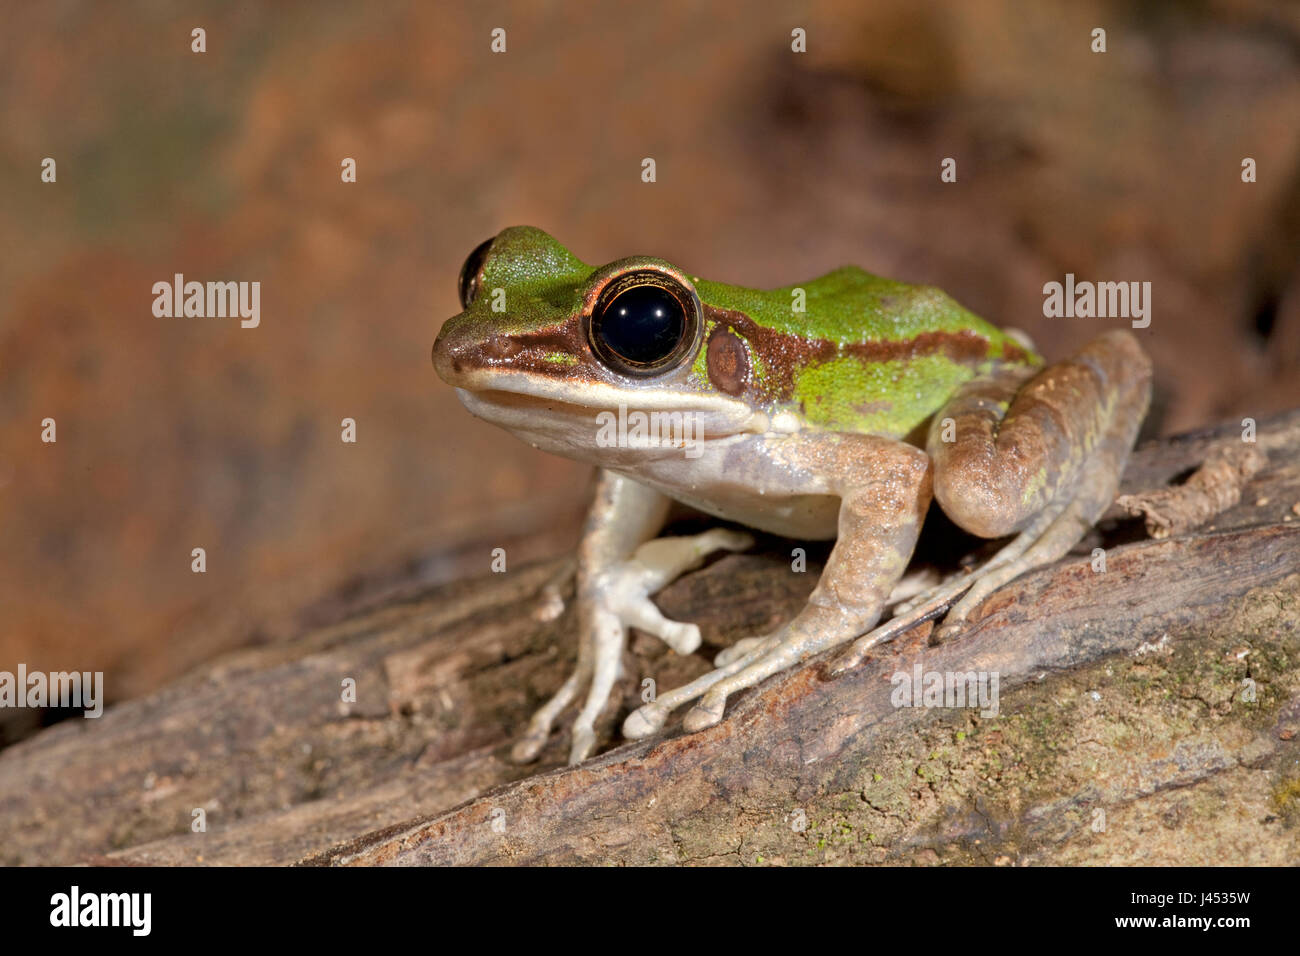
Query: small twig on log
[(1213, 488)]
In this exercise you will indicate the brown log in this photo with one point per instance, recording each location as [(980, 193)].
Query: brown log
[(1125, 733)]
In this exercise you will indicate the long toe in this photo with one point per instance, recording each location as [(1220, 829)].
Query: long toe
[(527, 748), (644, 721), (704, 714), (584, 742)]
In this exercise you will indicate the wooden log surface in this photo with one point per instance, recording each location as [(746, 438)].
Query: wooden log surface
[(1146, 714)]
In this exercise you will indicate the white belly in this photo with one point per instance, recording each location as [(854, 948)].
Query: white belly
[(738, 480)]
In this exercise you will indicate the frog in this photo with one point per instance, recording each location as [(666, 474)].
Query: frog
[(838, 409)]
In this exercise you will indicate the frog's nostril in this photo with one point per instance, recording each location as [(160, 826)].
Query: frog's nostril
[(457, 352), (500, 347)]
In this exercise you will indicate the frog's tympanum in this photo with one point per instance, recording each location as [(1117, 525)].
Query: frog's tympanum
[(832, 409)]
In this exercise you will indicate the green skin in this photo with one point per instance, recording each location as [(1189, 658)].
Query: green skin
[(839, 412)]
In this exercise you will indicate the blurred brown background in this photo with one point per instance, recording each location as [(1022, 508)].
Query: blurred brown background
[(772, 168)]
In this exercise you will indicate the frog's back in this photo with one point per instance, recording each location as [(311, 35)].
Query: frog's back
[(866, 354)]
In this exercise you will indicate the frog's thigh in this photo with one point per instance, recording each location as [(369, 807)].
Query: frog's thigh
[(1051, 465), (884, 487), (1019, 445)]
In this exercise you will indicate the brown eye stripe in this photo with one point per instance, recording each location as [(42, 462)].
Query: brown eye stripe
[(965, 347)]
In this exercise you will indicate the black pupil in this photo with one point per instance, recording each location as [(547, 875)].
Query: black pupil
[(642, 325)]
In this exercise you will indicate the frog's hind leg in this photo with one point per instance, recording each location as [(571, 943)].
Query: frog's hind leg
[(942, 594), (1043, 459), (1039, 457)]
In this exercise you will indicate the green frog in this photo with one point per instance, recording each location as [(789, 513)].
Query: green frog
[(834, 409)]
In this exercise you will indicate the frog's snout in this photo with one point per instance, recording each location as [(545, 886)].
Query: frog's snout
[(447, 358), (458, 351)]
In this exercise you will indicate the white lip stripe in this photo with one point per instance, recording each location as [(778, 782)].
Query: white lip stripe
[(601, 396), (717, 422)]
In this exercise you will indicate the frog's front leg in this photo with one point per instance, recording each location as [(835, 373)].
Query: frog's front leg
[(884, 490), (618, 570)]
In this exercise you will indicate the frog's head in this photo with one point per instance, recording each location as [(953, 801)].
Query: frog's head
[(547, 343)]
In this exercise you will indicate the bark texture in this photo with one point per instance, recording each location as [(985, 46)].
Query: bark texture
[(1146, 714)]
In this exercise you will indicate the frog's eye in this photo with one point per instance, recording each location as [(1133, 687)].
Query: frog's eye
[(471, 272), (644, 323)]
